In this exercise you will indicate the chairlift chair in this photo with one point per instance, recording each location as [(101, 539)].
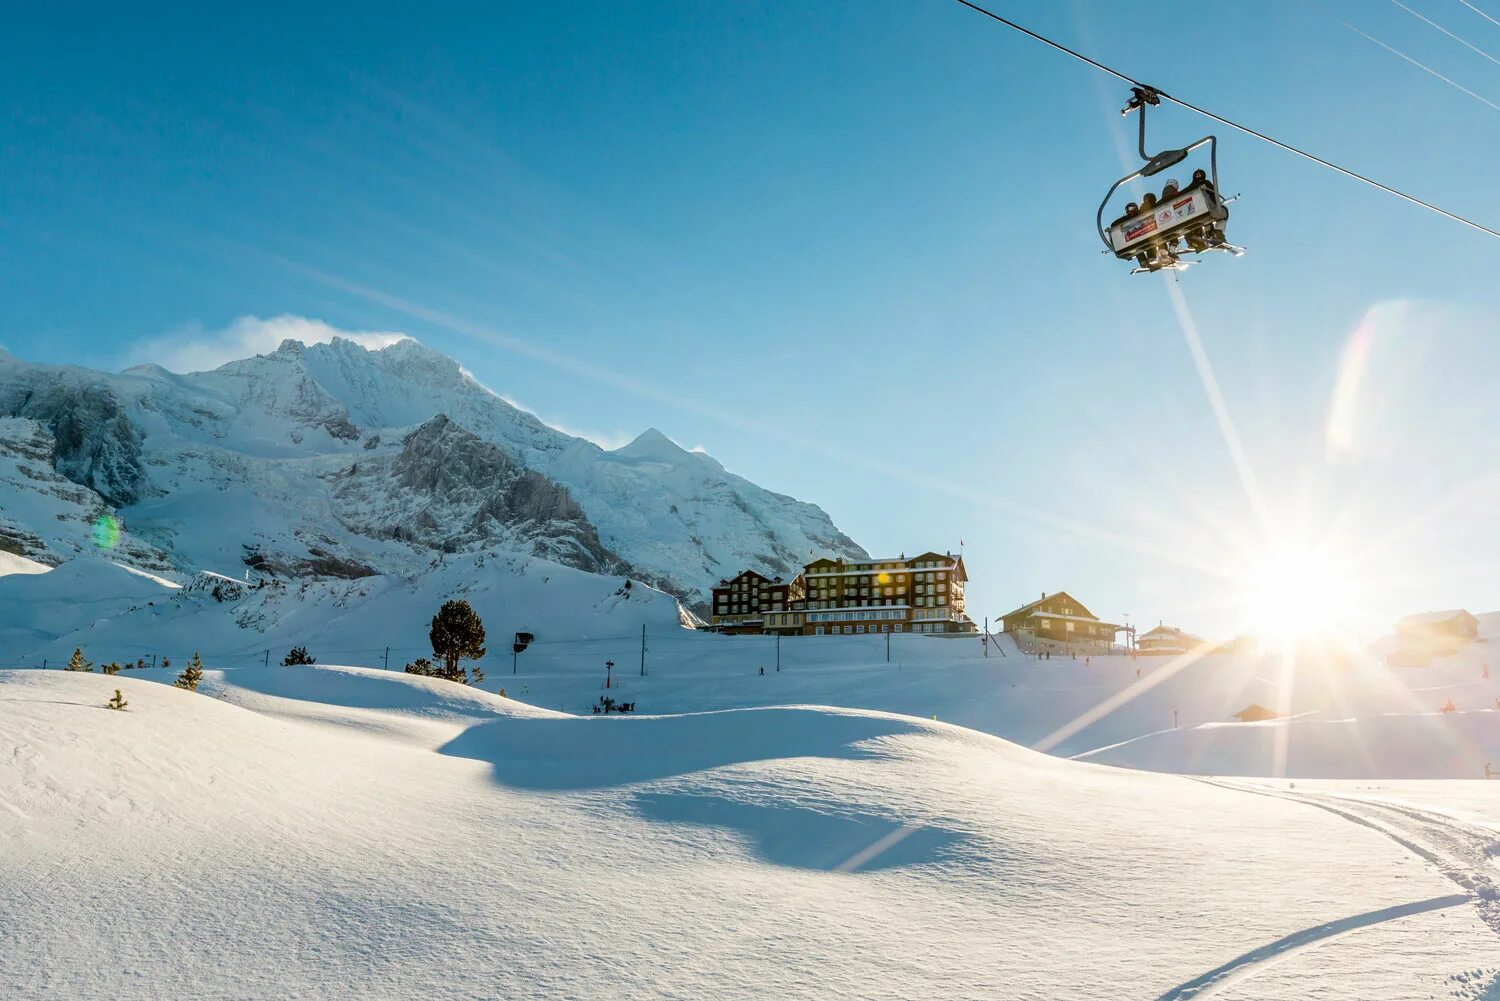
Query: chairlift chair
[(1157, 231)]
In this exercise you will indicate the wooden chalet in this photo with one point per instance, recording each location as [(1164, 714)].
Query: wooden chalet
[(1059, 618)]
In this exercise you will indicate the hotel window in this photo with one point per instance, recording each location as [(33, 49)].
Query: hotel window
[(1069, 626), (896, 628)]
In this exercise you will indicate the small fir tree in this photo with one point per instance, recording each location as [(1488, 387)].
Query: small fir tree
[(457, 634), (191, 675), (421, 666), (166, 662), (297, 655), (113, 667), (77, 663), (118, 702)]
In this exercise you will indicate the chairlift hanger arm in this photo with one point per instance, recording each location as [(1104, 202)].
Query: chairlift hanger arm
[(1152, 167)]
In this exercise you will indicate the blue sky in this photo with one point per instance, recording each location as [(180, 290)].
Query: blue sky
[(847, 248)]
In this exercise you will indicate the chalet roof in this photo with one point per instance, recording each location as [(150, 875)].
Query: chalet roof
[(958, 561), (1091, 617), (1169, 631), (1039, 614), (745, 574), (1432, 618)]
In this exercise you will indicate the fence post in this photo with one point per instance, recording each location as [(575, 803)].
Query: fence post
[(387, 659), (643, 649), (268, 658)]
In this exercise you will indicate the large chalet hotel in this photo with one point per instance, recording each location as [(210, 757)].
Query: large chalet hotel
[(922, 594)]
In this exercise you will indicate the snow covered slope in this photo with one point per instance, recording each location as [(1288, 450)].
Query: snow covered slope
[(305, 832), (333, 460), (115, 614)]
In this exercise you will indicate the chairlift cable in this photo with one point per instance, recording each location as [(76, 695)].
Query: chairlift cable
[(1413, 199)]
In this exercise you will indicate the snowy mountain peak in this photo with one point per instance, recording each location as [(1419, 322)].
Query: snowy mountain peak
[(652, 445)]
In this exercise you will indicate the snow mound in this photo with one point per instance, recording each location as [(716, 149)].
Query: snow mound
[(762, 854), (10, 563)]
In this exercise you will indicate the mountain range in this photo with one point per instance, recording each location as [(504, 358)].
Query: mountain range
[(336, 461)]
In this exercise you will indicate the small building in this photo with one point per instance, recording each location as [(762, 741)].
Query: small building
[(1421, 637), (1453, 624), (1059, 618), (1166, 641), (1256, 713)]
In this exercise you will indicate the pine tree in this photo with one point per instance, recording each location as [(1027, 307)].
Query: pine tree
[(166, 662), (113, 667), (77, 663), (118, 702), (421, 666), (191, 675), (457, 634), (297, 655)]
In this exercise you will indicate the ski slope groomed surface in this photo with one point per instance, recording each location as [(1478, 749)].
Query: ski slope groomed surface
[(320, 832)]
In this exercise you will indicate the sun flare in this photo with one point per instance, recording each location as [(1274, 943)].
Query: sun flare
[(1296, 593)]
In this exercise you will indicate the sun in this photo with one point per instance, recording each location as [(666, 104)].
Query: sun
[(1295, 593)]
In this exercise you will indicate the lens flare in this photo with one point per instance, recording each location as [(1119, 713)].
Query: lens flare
[(106, 531)]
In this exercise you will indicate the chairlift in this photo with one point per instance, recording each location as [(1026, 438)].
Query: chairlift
[(1157, 231)]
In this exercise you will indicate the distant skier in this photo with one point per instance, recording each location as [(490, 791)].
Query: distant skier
[(1488, 774), (762, 672)]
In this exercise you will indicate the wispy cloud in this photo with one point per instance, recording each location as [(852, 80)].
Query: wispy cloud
[(194, 349)]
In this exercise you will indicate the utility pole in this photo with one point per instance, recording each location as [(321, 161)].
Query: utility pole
[(609, 666), (268, 658), (153, 661), (387, 661), (778, 652), (643, 649), (986, 635), (887, 648)]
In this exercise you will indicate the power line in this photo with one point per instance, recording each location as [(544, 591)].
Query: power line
[(1413, 199)]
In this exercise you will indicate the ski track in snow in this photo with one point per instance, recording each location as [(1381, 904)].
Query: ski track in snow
[(1462, 852)]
